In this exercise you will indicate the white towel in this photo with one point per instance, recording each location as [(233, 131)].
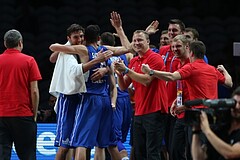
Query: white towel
[(67, 76)]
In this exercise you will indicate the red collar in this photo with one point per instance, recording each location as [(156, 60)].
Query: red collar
[(11, 51), (146, 54)]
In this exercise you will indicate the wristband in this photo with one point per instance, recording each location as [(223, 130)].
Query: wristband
[(151, 73), (126, 70), (113, 106), (196, 132)]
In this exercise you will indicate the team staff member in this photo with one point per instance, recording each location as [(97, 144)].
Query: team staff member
[(175, 27), (193, 35), (180, 47), (164, 39), (150, 100), (19, 75), (201, 79)]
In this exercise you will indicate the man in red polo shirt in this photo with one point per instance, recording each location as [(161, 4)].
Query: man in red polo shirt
[(175, 27), (201, 78), (150, 98), (19, 75), (180, 47)]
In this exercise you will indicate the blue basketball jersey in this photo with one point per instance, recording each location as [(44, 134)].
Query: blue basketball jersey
[(97, 87), (125, 61)]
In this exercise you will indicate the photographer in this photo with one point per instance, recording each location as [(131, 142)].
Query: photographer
[(220, 145)]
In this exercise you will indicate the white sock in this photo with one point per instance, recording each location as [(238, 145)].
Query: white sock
[(125, 158)]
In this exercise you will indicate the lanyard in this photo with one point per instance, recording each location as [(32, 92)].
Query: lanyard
[(179, 92), (172, 63), (165, 58)]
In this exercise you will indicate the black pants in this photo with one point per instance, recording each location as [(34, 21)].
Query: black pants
[(148, 131), (180, 145), (22, 131), (169, 134)]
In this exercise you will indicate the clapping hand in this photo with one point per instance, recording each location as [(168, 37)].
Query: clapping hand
[(119, 67), (145, 68)]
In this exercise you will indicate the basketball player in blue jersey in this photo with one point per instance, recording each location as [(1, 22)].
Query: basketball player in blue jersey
[(95, 114), (123, 112)]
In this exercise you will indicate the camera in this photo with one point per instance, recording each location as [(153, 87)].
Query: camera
[(218, 111)]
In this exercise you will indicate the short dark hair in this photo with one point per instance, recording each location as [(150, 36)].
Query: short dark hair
[(74, 28), (194, 31), (179, 22), (164, 32), (198, 48), (236, 91), (107, 38), (12, 38), (92, 32)]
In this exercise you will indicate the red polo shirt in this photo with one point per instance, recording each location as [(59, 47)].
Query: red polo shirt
[(171, 65), (202, 80), (184, 88), (152, 98), (17, 70)]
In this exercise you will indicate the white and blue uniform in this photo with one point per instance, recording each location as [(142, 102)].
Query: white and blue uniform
[(67, 84)]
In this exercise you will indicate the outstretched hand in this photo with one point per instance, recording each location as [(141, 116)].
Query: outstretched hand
[(116, 20), (221, 68), (103, 56), (153, 27)]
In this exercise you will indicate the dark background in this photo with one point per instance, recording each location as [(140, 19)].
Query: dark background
[(43, 22)]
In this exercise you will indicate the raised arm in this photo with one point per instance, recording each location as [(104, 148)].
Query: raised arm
[(76, 49), (54, 55), (81, 50), (118, 50), (228, 79), (101, 57), (116, 22), (152, 28)]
